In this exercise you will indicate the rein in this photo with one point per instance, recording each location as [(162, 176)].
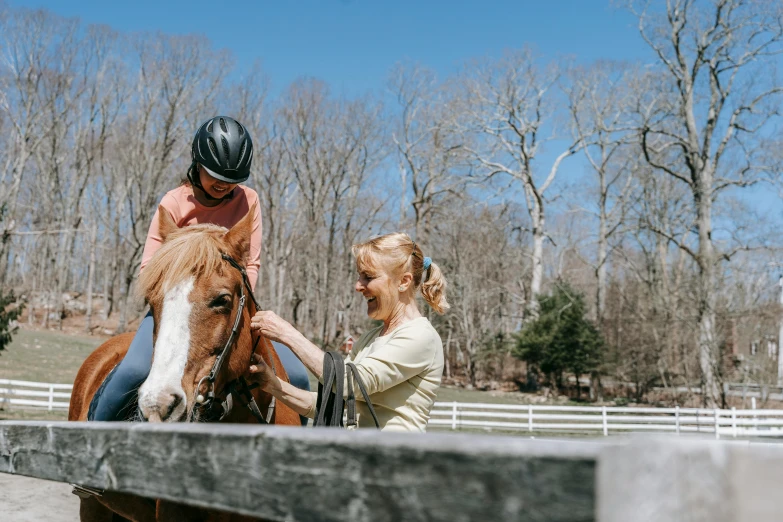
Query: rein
[(329, 404), (239, 387)]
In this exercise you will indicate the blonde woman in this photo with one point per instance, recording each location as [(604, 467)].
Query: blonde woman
[(400, 361)]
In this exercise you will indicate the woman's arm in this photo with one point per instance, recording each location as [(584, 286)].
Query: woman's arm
[(273, 327), (301, 401)]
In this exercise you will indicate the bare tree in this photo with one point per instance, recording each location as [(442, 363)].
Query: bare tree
[(178, 78), (511, 108), (429, 149), (715, 95), (29, 40), (332, 147), (599, 101)]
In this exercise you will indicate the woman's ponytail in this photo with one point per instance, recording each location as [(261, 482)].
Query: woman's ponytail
[(434, 289)]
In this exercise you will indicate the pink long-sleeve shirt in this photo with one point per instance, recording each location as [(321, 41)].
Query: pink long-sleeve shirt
[(186, 210)]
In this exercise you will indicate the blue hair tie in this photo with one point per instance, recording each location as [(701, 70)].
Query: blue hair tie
[(427, 263)]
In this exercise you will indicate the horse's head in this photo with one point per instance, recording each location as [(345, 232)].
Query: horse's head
[(194, 294)]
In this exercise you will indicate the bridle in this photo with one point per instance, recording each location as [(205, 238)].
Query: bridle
[(238, 387)]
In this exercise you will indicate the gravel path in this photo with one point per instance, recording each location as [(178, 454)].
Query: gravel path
[(24, 499)]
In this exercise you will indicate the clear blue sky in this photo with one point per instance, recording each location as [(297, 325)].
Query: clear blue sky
[(352, 44)]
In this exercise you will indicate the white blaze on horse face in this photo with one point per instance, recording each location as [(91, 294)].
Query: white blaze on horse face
[(164, 383)]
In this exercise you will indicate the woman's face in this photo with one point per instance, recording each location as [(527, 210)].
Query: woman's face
[(214, 187), (380, 293)]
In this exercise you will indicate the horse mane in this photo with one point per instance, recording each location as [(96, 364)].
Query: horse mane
[(189, 251)]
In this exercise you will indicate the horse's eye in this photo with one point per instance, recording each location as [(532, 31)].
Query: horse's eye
[(221, 301)]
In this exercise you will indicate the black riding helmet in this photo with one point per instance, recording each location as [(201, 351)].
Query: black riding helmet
[(224, 148)]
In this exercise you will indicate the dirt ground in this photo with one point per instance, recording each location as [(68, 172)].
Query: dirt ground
[(24, 499)]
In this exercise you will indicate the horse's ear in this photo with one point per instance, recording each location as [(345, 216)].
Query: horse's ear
[(166, 224), (238, 238)]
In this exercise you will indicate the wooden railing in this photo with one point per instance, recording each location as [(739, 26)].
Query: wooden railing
[(606, 420), (296, 474), (27, 394)]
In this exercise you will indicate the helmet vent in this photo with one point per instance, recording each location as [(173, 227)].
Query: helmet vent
[(209, 127), (241, 131), (213, 150), (223, 126), (224, 141), (241, 152)]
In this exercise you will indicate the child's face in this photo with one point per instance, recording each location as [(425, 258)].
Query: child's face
[(214, 187)]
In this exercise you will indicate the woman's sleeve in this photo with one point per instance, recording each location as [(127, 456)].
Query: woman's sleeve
[(311, 412), (404, 356), (256, 238), (153, 242)]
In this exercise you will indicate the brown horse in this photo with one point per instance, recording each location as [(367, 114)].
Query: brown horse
[(195, 294)]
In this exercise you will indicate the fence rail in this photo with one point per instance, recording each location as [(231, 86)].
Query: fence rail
[(26, 394), (607, 420), (295, 474)]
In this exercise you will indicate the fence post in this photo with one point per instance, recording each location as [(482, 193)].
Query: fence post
[(716, 414), (453, 415), (603, 418), (529, 417), (677, 419), (755, 417), (734, 420), (51, 397)]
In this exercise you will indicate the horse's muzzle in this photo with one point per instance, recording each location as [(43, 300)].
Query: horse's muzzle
[(166, 406)]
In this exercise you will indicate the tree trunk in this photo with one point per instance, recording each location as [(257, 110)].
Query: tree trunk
[(90, 278), (537, 277), (706, 305), (600, 291), (447, 354)]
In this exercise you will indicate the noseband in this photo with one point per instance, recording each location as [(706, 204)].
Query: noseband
[(238, 387)]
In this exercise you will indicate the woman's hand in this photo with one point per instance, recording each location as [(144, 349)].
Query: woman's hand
[(271, 325), (262, 373)]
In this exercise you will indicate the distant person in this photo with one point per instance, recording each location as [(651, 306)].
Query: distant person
[(221, 157), (400, 361)]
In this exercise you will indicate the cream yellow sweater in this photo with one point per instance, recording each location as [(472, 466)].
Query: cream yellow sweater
[(402, 371)]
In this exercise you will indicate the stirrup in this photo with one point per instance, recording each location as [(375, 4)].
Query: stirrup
[(86, 492)]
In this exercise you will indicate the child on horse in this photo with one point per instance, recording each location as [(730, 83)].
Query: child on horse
[(221, 157)]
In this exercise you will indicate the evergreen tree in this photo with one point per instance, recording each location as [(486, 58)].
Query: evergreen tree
[(7, 316), (562, 340)]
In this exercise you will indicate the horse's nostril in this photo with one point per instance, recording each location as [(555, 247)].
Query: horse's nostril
[(175, 400)]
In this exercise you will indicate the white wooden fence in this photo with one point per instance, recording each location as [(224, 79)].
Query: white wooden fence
[(26, 394), (607, 420)]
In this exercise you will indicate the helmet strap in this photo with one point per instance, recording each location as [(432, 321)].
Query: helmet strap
[(194, 179)]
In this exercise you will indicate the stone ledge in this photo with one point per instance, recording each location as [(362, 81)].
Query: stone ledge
[(315, 474)]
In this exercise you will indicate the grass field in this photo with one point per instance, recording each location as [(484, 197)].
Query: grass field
[(45, 356)]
